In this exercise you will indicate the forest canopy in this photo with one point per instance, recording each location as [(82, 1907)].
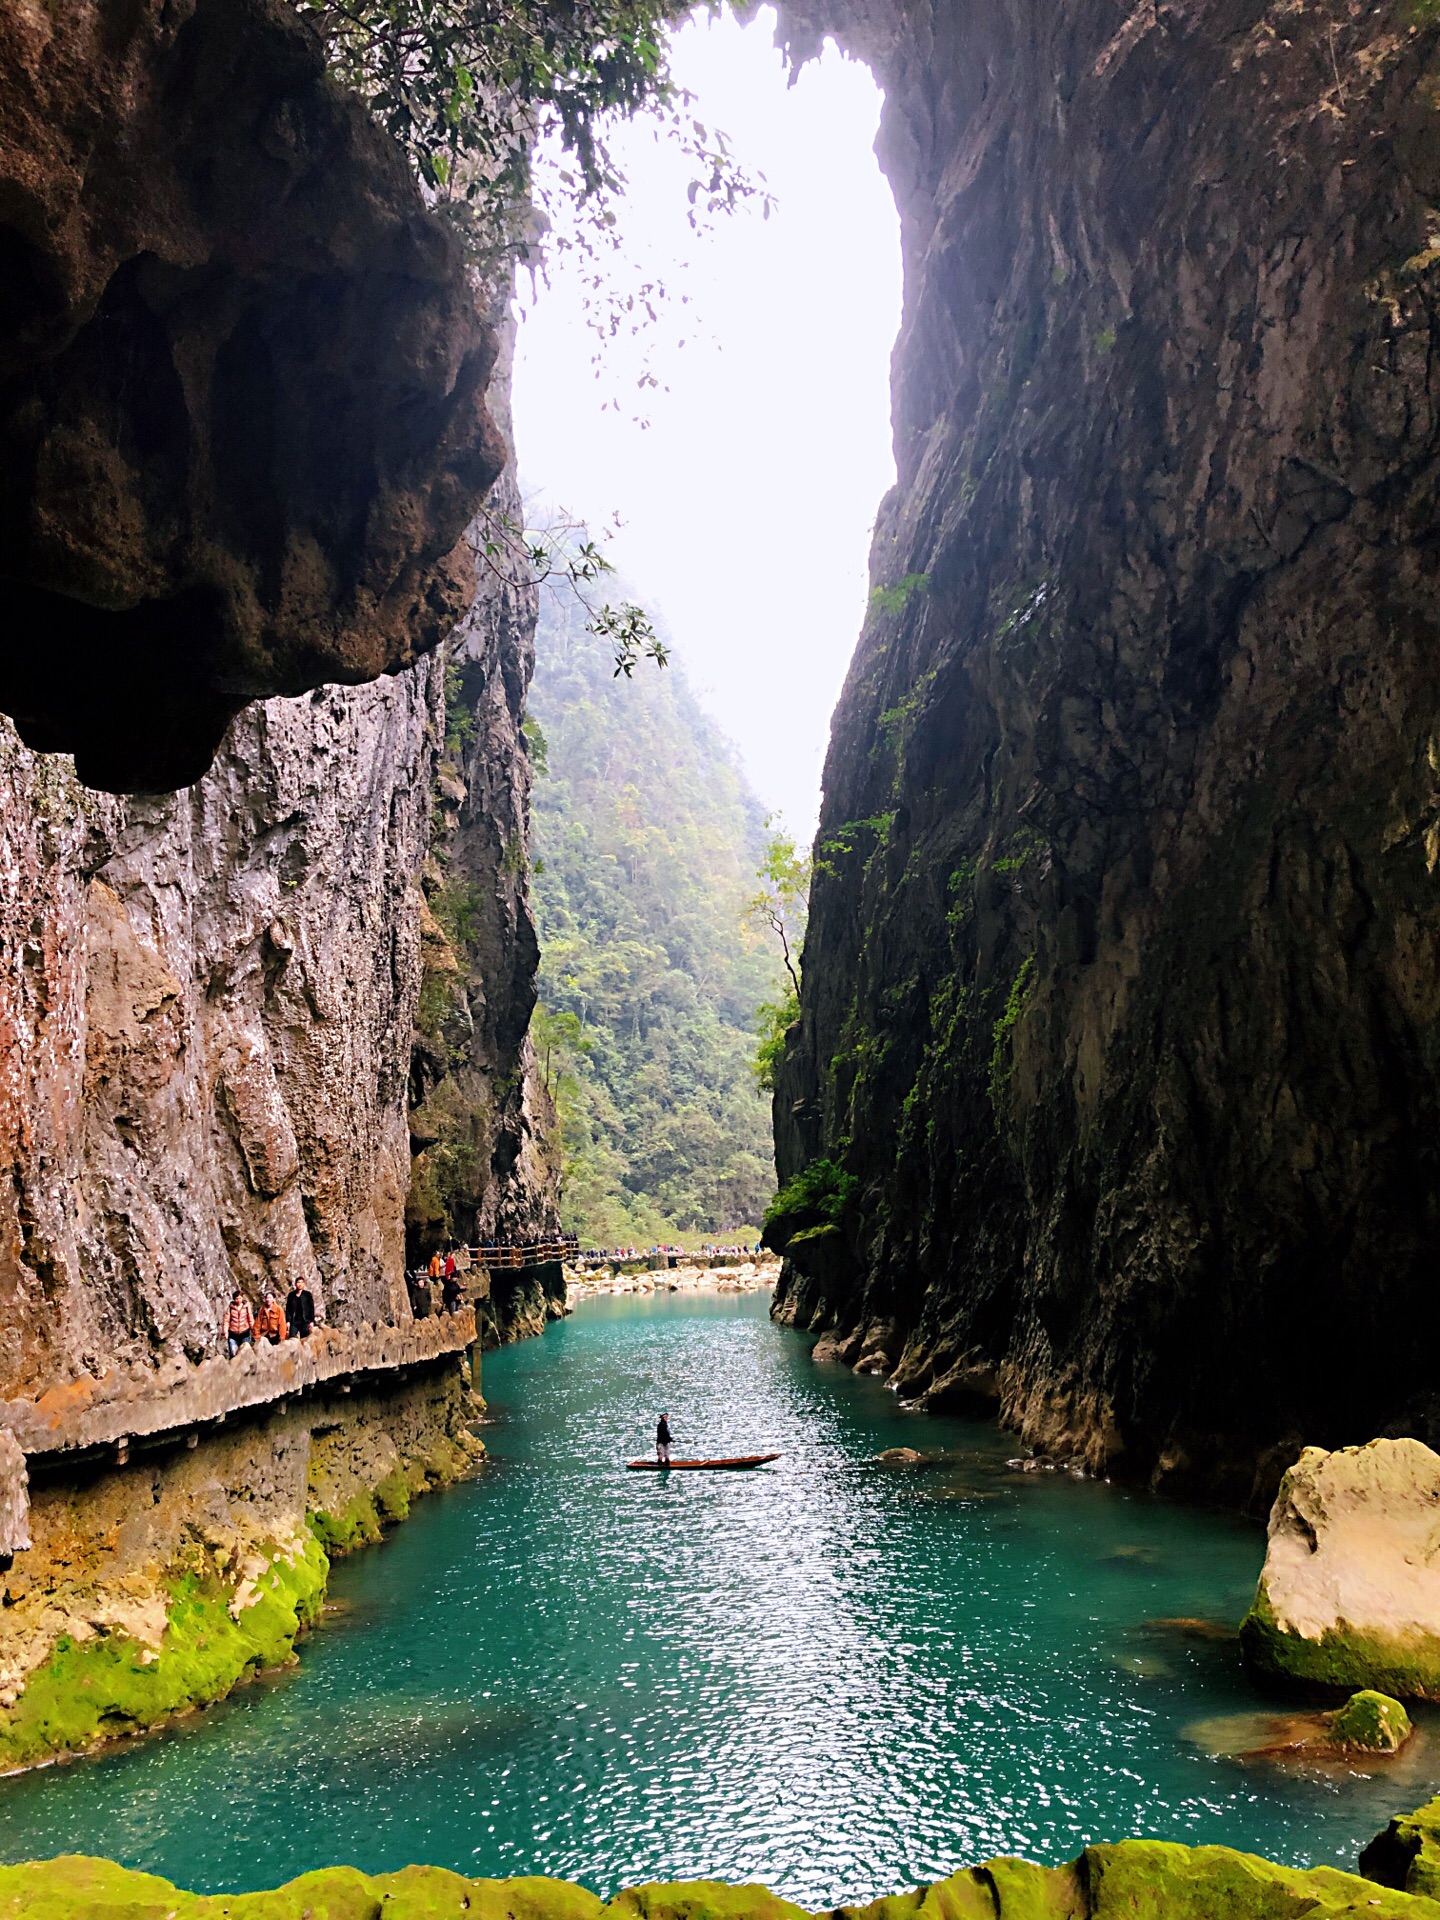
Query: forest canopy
[(646, 842)]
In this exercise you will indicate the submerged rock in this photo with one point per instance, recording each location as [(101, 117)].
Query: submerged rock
[(1370, 1733), (1192, 1627), (1349, 1595)]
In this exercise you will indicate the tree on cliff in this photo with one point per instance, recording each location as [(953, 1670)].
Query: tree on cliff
[(780, 910), (473, 90)]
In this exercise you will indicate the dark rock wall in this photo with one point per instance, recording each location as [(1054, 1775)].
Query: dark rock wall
[(242, 383), (1121, 985)]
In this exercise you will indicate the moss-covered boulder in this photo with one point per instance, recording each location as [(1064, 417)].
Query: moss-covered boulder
[(1348, 1595), (1372, 1722), (1136, 1880)]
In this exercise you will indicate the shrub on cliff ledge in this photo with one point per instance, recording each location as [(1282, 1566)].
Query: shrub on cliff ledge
[(810, 1206)]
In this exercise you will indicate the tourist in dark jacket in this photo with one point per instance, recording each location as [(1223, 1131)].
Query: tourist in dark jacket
[(299, 1310), (451, 1291), (662, 1440)]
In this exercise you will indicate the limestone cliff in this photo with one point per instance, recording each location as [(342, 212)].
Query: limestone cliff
[(1118, 1077), (206, 1003), (242, 383), (208, 1020), (481, 1123)]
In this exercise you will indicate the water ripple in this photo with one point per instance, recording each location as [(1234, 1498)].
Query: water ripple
[(833, 1676)]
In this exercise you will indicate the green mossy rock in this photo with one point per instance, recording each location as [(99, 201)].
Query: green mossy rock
[(1407, 1853), (1136, 1880), (701, 1900), (93, 1690), (1372, 1721), (392, 1498), (356, 1525), (1340, 1657), (1015, 1889)]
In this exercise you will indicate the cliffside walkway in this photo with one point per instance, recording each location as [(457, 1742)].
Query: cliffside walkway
[(516, 1257), (129, 1403)]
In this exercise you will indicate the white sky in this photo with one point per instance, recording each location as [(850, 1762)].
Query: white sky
[(746, 502)]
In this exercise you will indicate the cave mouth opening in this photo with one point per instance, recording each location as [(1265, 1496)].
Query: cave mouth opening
[(742, 441)]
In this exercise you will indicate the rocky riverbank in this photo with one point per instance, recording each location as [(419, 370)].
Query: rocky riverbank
[(748, 1276), (1135, 1880)]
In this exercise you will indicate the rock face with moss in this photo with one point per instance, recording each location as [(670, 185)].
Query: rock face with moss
[(243, 424), (1120, 999), (1136, 1880), (1350, 1591), (152, 1588)]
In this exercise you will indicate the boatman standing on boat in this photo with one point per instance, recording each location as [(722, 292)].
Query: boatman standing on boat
[(662, 1440)]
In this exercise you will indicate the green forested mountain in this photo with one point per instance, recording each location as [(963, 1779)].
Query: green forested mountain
[(646, 841)]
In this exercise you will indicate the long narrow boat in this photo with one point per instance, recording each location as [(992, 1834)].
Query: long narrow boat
[(699, 1466)]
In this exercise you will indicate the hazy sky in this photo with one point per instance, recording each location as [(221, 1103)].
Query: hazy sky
[(747, 500)]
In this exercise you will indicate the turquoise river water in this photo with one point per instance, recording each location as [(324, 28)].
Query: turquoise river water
[(834, 1676)]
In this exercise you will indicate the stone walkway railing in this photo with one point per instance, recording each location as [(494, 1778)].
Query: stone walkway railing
[(133, 1401)]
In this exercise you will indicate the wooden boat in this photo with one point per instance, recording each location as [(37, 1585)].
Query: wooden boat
[(699, 1466)]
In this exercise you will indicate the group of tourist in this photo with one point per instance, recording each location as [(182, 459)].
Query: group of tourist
[(644, 1253), (436, 1289), (291, 1319), (442, 1274)]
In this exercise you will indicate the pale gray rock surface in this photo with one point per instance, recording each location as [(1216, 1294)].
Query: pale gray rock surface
[(1350, 1590), (206, 1002)]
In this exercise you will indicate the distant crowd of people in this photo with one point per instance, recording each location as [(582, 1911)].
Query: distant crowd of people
[(707, 1251), (433, 1289), (290, 1319), (436, 1288)]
